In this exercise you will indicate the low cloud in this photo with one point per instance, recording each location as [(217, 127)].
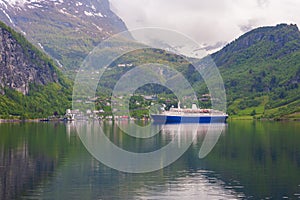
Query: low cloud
[(207, 22), (251, 24)]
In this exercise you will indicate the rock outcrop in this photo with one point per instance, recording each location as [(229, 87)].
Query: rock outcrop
[(21, 63)]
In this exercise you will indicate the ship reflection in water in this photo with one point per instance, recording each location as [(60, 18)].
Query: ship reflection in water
[(151, 148), (251, 160), (200, 184), (207, 134)]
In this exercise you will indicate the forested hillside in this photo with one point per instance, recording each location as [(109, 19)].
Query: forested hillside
[(261, 70), (31, 85)]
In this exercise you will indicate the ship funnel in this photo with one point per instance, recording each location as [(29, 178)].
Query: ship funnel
[(194, 106)]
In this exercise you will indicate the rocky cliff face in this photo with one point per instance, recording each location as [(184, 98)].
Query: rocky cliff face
[(65, 29), (21, 64)]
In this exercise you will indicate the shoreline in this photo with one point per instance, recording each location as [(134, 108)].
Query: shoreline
[(241, 118), (247, 118), (27, 120)]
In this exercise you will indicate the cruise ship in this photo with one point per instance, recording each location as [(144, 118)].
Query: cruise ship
[(193, 115)]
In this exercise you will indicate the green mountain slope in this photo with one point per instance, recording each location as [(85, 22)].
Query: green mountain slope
[(31, 86), (261, 71)]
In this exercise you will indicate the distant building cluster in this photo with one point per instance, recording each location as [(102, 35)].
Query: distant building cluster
[(125, 65), (101, 114)]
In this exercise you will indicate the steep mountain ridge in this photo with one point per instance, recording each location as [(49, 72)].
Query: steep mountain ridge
[(65, 29), (261, 71), (31, 85), (21, 64)]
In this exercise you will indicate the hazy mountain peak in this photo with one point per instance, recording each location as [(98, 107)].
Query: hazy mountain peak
[(23, 2), (66, 29), (20, 4)]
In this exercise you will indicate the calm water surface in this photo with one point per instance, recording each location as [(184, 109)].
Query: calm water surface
[(251, 160)]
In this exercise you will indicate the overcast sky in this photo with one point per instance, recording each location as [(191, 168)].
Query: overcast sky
[(209, 22)]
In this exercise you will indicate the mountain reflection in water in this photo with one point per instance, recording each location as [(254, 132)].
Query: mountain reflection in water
[(251, 160)]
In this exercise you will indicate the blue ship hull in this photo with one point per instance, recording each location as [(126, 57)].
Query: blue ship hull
[(174, 119)]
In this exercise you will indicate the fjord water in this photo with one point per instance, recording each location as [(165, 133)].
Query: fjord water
[(251, 160)]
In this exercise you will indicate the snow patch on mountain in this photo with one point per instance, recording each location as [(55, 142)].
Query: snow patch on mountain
[(11, 21), (41, 46), (23, 2), (90, 14), (3, 3), (78, 4), (20, 2)]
